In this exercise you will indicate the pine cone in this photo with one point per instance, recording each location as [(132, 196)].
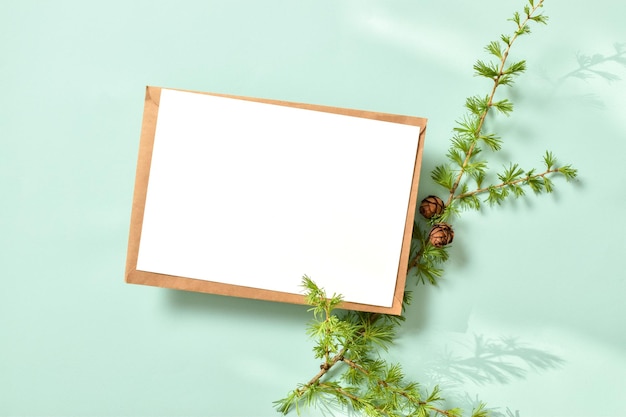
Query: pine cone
[(431, 206), (441, 234)]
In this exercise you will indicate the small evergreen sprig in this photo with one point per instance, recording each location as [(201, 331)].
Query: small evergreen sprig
[(466, 163), (349, 344), (465, 174), (366, 383)]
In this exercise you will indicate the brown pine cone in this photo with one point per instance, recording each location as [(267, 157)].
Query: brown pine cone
[(441, 234), (431, 206)]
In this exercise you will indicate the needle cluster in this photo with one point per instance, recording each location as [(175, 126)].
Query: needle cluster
[(352, 373), (349, 345)]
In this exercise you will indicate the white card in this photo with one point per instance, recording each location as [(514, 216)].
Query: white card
[(258, 195)]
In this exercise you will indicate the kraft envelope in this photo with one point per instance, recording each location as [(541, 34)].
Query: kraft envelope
[(241, 196)]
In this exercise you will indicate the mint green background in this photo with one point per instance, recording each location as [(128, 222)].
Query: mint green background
[(541, 280)]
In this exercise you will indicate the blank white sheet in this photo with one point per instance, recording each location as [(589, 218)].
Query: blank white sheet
[(259, 195)]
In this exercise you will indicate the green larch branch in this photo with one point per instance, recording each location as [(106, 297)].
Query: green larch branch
[(496, 82), (325, 367), (401, 392), (506, 184)]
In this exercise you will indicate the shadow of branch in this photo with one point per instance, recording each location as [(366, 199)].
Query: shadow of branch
[(492, 361), (594, 66), (482, 362), (590, 67)]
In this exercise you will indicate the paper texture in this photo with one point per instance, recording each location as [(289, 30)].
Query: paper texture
[(257, 195)]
